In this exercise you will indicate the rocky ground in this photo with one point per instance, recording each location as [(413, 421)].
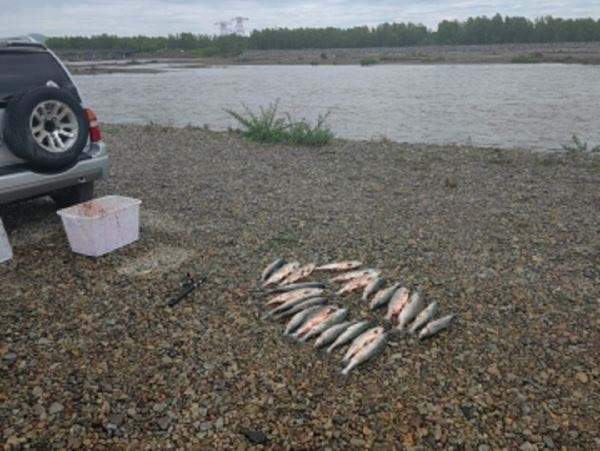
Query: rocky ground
[(561, 52), (509, 240), (558, 52)]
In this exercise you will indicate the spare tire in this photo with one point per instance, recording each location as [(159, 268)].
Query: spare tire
[(46, 127)]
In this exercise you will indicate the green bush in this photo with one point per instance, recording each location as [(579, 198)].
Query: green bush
[(266, 127), (579, 146)]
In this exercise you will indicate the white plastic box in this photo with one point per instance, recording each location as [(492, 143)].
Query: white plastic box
[(5, 250), (100, 226)]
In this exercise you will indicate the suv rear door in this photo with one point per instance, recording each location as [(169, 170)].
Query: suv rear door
[(22, 70)]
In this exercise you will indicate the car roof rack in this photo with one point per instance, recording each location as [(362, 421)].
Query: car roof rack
[(21, 41)]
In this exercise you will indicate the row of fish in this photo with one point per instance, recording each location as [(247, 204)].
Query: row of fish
[(311, 316)]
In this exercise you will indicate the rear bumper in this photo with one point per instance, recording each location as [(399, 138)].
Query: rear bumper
[(18, 182)]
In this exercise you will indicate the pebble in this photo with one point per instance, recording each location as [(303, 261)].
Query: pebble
[(55, 408), (339, 420), (163, 423), (493, 370), (548, 441), (255, 437), (358, 442), (159, 407), (582, 377), (40, 411), (117, 419), (9, 357)]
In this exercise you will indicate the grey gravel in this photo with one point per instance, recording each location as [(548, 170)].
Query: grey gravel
[(216, 203)]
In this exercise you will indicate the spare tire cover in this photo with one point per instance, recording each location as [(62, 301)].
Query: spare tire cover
[(46, 127)]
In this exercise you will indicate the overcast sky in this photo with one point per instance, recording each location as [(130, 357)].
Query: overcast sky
[(161, 17)]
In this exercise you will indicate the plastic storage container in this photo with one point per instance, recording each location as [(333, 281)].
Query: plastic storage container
[(100, 226), (5, 250)]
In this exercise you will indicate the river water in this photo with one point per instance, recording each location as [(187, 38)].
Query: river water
[(530, 106)]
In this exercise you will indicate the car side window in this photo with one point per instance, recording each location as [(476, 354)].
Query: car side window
[(22, 71)]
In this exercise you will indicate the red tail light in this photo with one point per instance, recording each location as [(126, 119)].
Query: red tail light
[(95, 134)]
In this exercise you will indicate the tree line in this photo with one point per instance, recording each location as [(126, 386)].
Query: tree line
[(474, 30)]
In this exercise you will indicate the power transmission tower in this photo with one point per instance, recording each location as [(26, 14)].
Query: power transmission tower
[(239, 25), (224, 26)]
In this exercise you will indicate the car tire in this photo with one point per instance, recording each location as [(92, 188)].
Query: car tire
[(47, 127), (73, 195)]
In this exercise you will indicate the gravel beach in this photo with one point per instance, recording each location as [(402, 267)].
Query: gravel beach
[(509, 240)]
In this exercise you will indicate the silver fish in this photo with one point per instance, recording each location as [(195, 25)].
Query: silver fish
[(337, 317), (310, 302), (351, 332), (281, 274), (382, 297), (397, 303), (373, 287), (296, 294), (356, 284), (347, 276), (311, 323), (299, 318), (272, 268), (340, 266), (299, 274), (435, 326), (424, 317), (368, 351), (295, 286), (411, 310), (361, 341), (286, 306), (331, 334)]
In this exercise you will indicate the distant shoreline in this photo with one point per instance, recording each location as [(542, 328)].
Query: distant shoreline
[(82, 62)]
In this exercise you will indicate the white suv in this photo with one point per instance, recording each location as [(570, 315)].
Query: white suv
[(49, 143)]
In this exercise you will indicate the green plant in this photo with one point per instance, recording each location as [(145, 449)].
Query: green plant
[(579, 146), (368, 61), (265, 126)]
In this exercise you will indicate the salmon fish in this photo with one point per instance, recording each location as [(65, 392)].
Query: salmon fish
[(340, 266), (373, 288), (281, 274), (347, 276), (411, 310), (435, 326), (286, 306), (356, 284), (296, 294), (424, 317), (361, 341), (299, 318), (299, 274), (311, 323), (349, 334), (397, 303), (369, 350), (382, 297), (331, 334), (336, 317), (294, 286), (306, 303), (271, 269)]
